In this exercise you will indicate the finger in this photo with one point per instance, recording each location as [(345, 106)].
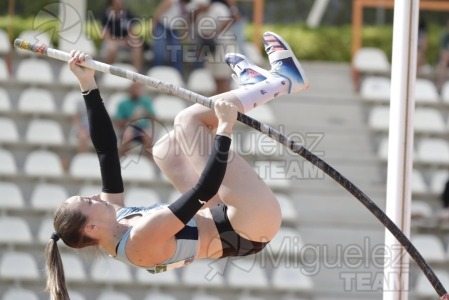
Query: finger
[(72, 52), (82, 56), (77, 55), (72, 62)]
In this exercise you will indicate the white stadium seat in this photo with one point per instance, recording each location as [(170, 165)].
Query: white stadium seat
[(418, 183), (4, 72), (286, 242), (8, 165), (111, 271), (438, 181), (12, 196), (433, 151), (159, 296), (43, 163), (76, 295), (165, 278), (430, 247), (424, 289), (74, 268), (426, 91), (5, 101), (71, 102), (137, 196), (15, 230), (371, 60), (44, 132), (47, 196), (290, 279), (85, 166), (428, 120), (88, 190), (246, 274), (420, 209), (379, 118), (445, 92), (166, 74), (167, 107), (18, 266), (69, 42), (46, 228), (289, 212), (201, 296), (375, 89), (382, 151), (137, 167), (19, 293), (113, 295), (35, 71), (5, 43), (66, 77), (202, 273), (36, 100), (8, 132), (201, 81)]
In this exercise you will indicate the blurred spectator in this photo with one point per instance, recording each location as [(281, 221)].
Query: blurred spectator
[(134, 118), (170, 24), (80, 129), (238, 24), (212, 22), (119, 34), (422, 67), (443, 62)]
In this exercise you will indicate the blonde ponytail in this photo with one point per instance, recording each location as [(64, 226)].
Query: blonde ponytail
[(56, 285)]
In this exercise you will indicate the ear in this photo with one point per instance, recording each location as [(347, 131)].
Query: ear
[(90, 230)]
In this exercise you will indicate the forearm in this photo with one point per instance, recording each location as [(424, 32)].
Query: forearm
[(104, 140), (87, 84)]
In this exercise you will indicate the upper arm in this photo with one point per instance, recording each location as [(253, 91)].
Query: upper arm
[(153, 237), (159, 226), (117, 199)]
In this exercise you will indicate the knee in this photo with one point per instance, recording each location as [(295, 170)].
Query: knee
[(184, 117), (163, 148)]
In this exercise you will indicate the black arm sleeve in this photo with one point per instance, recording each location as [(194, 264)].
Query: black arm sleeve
[(210, 181), (105, 142)]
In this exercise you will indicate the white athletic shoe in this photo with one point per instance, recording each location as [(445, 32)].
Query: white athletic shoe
[(246, 73), (284, 63)]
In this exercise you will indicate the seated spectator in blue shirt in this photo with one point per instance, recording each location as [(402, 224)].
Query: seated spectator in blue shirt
[(134, 119)]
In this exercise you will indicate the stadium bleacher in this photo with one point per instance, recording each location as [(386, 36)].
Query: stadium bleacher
[(41, 96)]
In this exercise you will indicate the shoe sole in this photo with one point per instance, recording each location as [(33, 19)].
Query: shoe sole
[(306, 83)]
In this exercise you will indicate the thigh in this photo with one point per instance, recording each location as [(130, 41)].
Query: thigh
[(253, 210), (176, 167)]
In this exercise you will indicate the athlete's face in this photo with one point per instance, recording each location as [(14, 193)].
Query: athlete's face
[(97, 211)]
